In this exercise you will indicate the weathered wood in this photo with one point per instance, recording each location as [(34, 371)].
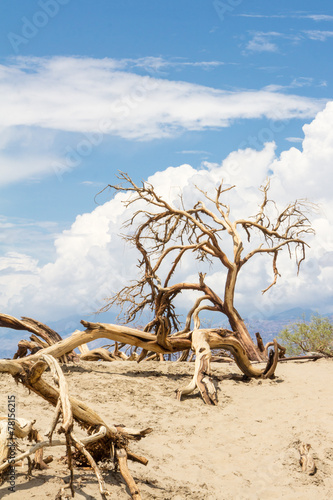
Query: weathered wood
[(12, 427), (114, 437), (36, 327), (184, 355), (306, 459), (260, 342), (164, 232), (281, 349), (313, 357), (122, 462), (82, 449), (201, 378), (97, 354), (216, 338), (26, 345), (56, 442)]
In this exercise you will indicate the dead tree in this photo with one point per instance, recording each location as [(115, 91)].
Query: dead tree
[(39, 331), (201, 341), (163, 233)]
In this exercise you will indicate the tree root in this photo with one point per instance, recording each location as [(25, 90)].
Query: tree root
[(211, 338), (103, 443), (201, 378)]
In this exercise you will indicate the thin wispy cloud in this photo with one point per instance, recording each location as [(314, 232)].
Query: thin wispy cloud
[(157, 65), (268, 41), (314, 17), (262, 41), (302, 81), (294, 139), (194, 152), (320, 36), (42, 97)]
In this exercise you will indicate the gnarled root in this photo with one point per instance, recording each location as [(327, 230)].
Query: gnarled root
[(96, 447), (201, 378)]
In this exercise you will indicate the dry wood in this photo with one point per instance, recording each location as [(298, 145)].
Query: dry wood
[(313, 357), (216, 339), (37, 328), (260, 342), (97, 354), (56, 442), (82, 449), (29, 373), (201, 378), (184, 355), (121, 456), (306, 460), (17, 428), (24, 346), (282, 350), (168, 231)]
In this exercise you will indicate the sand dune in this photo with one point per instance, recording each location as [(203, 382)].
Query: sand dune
[(244, 448)]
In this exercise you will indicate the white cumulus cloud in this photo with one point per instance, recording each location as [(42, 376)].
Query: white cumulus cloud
[(92, 261)]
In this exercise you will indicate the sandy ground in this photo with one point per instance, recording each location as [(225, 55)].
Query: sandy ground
[(244, 448)]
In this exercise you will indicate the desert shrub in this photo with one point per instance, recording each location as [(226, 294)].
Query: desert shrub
[(302, 337)]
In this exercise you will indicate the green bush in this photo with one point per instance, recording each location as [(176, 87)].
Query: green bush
[(301, 337)]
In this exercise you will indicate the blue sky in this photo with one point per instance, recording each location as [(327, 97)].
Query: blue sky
[(92, 87)]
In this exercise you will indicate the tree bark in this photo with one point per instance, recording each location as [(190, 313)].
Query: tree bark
[(236, 322), (242, 334)]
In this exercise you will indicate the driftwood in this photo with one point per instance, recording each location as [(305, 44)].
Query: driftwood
[(264, 348), (313, 357), (49, 336), (102, 437), (105, 354), (201, 341), (201, 378), (306, 460)]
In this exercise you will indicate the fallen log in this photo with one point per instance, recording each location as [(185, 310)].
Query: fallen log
[(49, 336), (210, 338), (94, 448)]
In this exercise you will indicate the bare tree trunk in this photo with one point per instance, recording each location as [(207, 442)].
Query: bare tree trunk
[(236, 322), (242, 334)]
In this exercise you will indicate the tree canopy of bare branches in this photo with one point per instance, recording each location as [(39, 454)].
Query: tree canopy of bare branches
[(164, 233)]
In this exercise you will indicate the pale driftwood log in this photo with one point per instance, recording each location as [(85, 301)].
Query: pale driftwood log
[(97, 354), (26, 345), (201, 378), (49, 336), (114, 437), (122, 463), (306, 459), (50, 444), (313, 357), (216, 338), (17, 428), (101, 353), (20, 428)]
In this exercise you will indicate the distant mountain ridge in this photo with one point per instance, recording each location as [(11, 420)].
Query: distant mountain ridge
[(272, 326), (293, 314)]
